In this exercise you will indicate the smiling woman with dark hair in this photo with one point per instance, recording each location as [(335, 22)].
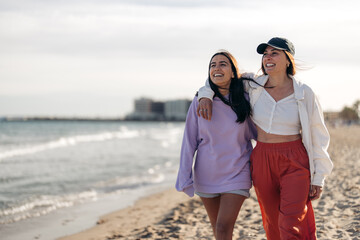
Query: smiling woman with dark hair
[(236, 99), (221, 173), (290, 161)]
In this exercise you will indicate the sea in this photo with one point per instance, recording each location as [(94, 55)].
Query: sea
[(58, 177)]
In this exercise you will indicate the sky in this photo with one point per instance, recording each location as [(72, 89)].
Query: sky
[(92, 58)]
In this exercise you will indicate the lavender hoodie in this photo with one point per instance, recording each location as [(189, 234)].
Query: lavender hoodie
[(223, 150)]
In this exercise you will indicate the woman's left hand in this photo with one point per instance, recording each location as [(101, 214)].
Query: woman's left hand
[(315, 192)]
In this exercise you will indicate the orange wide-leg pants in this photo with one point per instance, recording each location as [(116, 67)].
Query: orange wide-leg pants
[(281, 178)]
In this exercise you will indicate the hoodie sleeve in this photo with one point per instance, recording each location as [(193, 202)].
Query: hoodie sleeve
[(184, 182)]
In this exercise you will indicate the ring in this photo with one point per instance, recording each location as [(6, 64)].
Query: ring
[(201, 110)]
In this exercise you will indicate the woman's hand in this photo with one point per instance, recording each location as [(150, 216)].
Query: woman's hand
[(204, 108), (315, 192)]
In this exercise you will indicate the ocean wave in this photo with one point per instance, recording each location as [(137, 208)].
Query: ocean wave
[(130, 182), (44, 205), (124, 133), (152, 175)]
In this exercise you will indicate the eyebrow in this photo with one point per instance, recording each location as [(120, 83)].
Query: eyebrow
[(221, 62), (274, 49)]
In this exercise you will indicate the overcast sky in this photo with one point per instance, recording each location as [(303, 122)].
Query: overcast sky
[(93, 58)]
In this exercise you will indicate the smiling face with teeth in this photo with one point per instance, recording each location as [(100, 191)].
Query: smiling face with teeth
[(221, 73), (274, 61)]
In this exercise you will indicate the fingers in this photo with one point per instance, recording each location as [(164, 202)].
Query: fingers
[(205, 114), (312, 191), (205, 109), (315, 192), (202, 107), (198, 111), (202, 113), (201, 110), (315, 197), (209, 111)]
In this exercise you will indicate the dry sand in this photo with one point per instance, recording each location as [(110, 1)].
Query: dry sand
[(172, 215)]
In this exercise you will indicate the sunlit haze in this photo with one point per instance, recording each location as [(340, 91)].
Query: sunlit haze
[(93, 58)]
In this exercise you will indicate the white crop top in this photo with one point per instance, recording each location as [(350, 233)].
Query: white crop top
[(280, 117)]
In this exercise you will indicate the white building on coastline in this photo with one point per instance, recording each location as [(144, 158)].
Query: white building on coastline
[(176, 109), (147, 109)]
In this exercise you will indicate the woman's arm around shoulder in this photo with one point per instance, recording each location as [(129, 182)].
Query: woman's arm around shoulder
[(206, 94), (206, 91)]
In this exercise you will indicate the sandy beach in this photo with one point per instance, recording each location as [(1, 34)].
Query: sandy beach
[(173, 215)]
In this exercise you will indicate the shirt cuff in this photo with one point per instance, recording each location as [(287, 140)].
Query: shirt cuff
[(318, 180), (205, 92)]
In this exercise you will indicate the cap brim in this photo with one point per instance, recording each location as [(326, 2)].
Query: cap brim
[(261, 48)]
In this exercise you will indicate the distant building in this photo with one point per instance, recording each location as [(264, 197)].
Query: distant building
[(145, 109), (157, 107), (176, 109), (143, 105), (332, 118)]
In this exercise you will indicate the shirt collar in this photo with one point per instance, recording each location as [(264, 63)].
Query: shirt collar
[(260, 80), (298, 90)]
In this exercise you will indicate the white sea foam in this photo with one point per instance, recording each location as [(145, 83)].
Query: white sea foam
[(151, 176), (166, 138), (44, 205), (168, 164), (169, 135), (155, 166), (124, 133)]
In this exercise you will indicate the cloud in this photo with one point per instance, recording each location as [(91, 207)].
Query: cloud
[(143, 47), (144, 28)]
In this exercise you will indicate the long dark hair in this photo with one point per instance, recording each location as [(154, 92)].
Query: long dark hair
[(237, 101)]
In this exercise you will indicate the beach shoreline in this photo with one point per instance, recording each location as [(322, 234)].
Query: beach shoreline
[(173, 215), (80, 217), (146, 211), (58, 178), (168, 215)]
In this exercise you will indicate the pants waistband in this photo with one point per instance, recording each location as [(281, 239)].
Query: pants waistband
[(282, 145)]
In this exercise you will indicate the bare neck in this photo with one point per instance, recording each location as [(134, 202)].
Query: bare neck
[(224, 92), (278, 81)]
